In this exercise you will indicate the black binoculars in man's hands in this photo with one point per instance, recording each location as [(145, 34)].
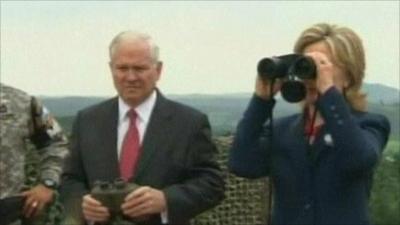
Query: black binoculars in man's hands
[(291, 69), (112, 194)]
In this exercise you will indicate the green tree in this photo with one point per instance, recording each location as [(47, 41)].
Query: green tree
[(385, 196)]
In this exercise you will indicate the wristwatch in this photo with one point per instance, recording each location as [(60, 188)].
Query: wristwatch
[(49, 183)]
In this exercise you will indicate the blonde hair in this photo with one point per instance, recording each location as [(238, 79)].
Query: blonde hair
[(347, 52)]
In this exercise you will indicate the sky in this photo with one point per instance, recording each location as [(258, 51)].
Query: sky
[(57, 48)]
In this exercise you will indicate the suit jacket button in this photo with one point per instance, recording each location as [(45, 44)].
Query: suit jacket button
[(328, 140)]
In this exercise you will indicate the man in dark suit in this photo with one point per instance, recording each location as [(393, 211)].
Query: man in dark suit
[(141, 137)]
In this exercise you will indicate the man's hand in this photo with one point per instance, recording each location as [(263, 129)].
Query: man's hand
[(143, 202), (93, 210), (36, 199)]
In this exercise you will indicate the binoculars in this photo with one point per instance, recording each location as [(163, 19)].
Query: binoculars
[(303, 67), (291, 68), (112, 194)]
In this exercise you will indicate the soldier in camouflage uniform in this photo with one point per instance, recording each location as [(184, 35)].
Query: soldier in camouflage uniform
[(24, 121)]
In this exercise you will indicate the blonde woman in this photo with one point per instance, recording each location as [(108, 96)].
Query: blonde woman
[(320, 160)]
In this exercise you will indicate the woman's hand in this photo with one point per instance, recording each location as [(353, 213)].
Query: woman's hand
[(263, 88), (325, 71)]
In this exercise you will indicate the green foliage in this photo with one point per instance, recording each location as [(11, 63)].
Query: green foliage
[(385, 196)]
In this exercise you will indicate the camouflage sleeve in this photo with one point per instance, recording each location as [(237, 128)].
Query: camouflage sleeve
[(50, 141)]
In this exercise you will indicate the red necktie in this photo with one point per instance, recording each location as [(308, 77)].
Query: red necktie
[(130, 148)]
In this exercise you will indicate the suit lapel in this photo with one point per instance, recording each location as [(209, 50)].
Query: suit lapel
[(108, 139), (319, 145), (298, 139), (156, 137)]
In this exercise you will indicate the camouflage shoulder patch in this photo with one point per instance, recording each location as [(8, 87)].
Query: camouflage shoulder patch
[(36, 110), (45, 128)]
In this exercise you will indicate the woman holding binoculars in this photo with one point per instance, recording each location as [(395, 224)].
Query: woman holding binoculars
[(320, 160)]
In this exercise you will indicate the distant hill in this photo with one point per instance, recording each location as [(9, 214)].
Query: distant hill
[(69, 106), (225, 110), (381, 94)]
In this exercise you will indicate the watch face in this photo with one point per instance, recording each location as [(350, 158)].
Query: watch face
[(49, 183)]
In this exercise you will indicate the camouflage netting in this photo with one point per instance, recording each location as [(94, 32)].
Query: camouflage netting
[(246, 200)]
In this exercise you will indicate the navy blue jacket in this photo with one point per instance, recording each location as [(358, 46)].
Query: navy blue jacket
[(325, 183)]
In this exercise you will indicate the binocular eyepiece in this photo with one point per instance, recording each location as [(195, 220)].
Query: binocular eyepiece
[(303, 67), (291, 68)]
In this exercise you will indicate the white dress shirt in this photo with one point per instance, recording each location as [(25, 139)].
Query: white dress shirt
[(144, 111)]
